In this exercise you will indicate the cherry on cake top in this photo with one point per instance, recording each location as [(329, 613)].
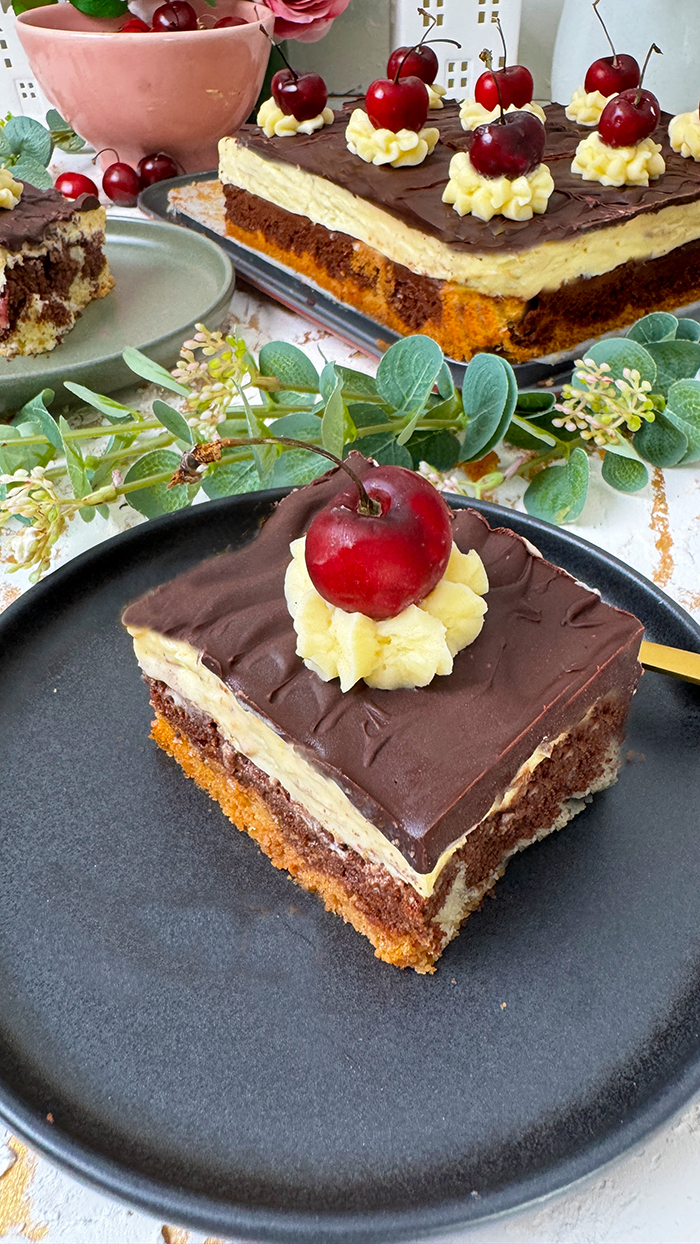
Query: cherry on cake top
[(512, 85), (299, 95), (611, 74), (631, 115), (395, 105), (511, 147)]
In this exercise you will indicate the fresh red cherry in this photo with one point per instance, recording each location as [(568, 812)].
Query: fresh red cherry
[(629, 118), (134, 26), (418, 62), (175, 15), (515, 83), (229, 21), (511, 147), (395, 106), (299, 95), (122, 184), (156, 167), (612, 74), (380, 565), (72, 185)]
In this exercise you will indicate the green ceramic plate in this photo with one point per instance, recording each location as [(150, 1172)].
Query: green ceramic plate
[(167, 278)]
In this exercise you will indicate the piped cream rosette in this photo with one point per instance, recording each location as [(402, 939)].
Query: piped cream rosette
[(401, 149), (405, 651), (472, 194), (472, 114), (10, 190), (684, 134), (586, 107), (275, 123), (618, 166), (436, 94)]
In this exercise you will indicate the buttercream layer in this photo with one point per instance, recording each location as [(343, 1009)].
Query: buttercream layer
[(400, 213), (423, 766)]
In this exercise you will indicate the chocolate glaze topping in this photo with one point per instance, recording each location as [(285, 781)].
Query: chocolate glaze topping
[(422, 765), (36, 210), (414, 195)]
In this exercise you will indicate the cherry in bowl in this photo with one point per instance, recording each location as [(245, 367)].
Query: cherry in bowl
[(174, 15)]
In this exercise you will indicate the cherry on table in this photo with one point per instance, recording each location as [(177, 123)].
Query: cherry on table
[(395, 106), (299, 95), (612, 74), (629, 118), (515, 84), (380, 565), (72, 185), (174, 15), (511, 147), (417, 62), (229, 21), (133, 26), (122, 184), (156, 167)]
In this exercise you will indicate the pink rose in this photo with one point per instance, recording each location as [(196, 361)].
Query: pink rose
[(305, 20)]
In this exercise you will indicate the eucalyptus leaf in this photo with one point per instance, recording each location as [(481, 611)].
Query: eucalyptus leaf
[(661, 442), (622, 448), (62, 134), (658, 326), (5, 144), (296, 467), (534, 405), (333, 422), (508, 409), (158, 499), (407, 373), (301, 427), (28, 138), (440, 450), (486, 395), (15, 456), (367, 414), (688, 330), (290, 365), (228, 478), (675, 360), (619, 353), (356, 385), (116, 412), (36, 410), (683, 410), (384, 448), (327, 381), (173, 421), (26, 168), (445, 383), (75, 465), (149, 370), (558, 493), (624, 474)]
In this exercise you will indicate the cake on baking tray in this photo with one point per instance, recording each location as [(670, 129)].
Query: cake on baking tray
[(399, 807), (383, 240), (52, 264)]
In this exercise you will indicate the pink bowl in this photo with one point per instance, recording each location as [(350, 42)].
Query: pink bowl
[(178, 92)]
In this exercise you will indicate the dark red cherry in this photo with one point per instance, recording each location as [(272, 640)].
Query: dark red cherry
[(72, 185), (612, 74), (629, 118), (515, 83), (511, 147), (302, 96), (395, 106), (175, 15), (418, 62), (380, 565), (122, 184), (229, 21), (156, 167), (134, 26)]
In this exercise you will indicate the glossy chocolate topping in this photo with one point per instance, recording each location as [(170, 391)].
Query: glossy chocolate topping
[(422, 765), (36, 210), (415, 194)]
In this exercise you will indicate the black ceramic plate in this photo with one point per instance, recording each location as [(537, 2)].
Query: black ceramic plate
[(216, 1048)]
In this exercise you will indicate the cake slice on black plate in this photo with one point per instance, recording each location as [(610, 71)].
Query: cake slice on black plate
[(397, 763)]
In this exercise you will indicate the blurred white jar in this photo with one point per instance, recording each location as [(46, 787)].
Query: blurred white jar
[(633, 25)]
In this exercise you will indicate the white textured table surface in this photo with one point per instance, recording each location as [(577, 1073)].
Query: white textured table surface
[(651, 1195)]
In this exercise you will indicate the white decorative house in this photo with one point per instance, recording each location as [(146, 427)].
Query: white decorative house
[(19, 93), (467, 21)]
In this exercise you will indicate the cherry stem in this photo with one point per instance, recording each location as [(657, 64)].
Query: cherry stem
[(430, 28), (487, 57), (607, 36), (99, 153), (653, 48), (454, 42), (201, 455), (497, 23), (293, 72)]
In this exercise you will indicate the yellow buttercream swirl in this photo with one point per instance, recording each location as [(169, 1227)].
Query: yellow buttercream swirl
[(472, 114), (586, 106), (618, 166), (684, 134), (405, 148), (274, 122), (10, 190), (405, 651), (435, 94), (484, 197)]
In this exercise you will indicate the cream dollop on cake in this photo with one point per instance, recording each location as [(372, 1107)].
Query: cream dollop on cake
[(618, 166), (472, 114), (402, 149), (684, 134), (586, 107), (10, 190), (406, 651), (471, 193), (436, 94), (273, 121)]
